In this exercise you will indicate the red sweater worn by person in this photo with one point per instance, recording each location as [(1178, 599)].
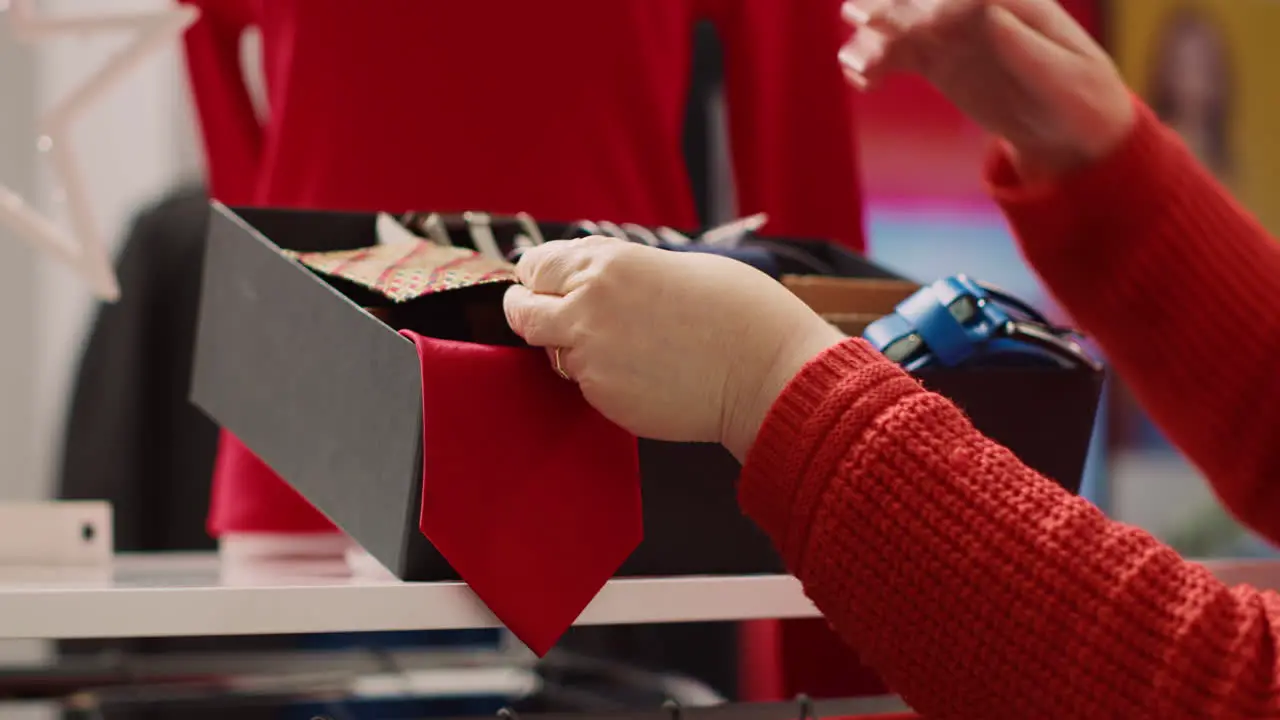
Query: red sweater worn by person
[(978, 588), (565, 110)]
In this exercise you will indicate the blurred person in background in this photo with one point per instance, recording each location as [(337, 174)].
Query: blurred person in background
[(975, 586), (484, 105), (566, 110), (1191, 87), (488, 105)]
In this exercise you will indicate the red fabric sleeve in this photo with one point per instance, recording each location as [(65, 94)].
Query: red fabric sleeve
[(1181, 287), (247, 495), (231, 132), (979, 588), (791, 116)]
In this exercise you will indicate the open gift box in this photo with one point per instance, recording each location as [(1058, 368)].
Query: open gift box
[(330, 397)]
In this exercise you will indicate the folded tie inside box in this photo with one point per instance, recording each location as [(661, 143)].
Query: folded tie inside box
[(449, 293)]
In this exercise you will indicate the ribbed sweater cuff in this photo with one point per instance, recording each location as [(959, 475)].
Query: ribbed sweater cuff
[(774, 471), (1118, 191)]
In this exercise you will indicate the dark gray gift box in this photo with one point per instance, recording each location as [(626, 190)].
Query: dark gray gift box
[(330, 398)]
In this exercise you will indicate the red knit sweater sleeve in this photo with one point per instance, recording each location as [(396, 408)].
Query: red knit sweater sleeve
[(977, 587), (1181, 287), (231, 131)]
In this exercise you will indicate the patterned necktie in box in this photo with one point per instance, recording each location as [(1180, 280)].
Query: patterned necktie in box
[(445, 292)]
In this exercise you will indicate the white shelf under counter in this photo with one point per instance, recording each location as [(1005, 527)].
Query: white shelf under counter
[(157, 595), (198, 594)]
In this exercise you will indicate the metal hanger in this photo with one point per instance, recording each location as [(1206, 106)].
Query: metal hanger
[(642, 233), (610, 229), (429, 225), (480, 228), (531, 234), (732, 233)]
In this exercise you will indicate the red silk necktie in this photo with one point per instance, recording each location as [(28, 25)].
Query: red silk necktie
[(530, 494)]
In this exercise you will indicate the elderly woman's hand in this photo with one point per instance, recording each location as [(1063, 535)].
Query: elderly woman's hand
[(1023, 69), (670, 345)]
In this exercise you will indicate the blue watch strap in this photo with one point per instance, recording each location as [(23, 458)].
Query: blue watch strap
[(941, 332), (886, 331)]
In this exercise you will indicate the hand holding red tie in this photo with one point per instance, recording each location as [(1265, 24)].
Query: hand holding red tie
[(672, 346)]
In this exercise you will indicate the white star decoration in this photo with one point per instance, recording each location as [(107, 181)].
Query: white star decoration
[(83, 250)]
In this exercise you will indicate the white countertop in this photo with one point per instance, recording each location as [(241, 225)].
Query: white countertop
[(197, 594)]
